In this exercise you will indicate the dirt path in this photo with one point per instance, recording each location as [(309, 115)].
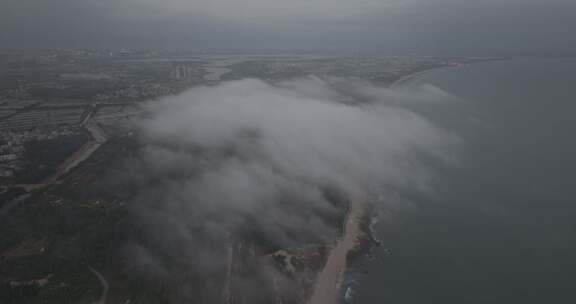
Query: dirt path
[(330, 278), (105, 286), (99, 137)]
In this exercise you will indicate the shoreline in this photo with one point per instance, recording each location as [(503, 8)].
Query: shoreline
[(327, 286), (366, 239), (357, 236), (411, 76)]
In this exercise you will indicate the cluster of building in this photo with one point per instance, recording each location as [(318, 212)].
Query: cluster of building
[(94, 76), (183, 71), (140, 91), (19, 92), (12, 145)]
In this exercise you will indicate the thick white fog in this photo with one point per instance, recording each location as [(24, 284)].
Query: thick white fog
[(247, 155)]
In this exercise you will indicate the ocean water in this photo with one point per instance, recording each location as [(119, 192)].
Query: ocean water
[(501, 227)]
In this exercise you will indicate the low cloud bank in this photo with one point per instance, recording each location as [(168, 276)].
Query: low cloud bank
[(247, 159)]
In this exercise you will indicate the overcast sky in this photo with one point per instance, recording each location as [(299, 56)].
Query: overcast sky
[(416, 26)]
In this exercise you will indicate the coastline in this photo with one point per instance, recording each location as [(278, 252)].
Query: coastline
[(357, 236), (412, 76), (327, 285)]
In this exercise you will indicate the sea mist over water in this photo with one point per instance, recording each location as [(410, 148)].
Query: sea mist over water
[(251, 160)]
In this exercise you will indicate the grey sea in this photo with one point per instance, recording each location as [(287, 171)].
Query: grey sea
[(501, 227)]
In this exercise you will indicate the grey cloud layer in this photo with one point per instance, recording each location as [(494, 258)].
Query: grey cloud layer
[(398, 25)]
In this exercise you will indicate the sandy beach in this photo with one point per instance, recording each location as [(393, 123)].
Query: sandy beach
[(327, 285)]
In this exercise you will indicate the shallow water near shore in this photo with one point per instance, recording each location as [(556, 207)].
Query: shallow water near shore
[(501, 226)]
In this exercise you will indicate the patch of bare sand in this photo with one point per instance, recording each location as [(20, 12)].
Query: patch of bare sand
[(330, 278)]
